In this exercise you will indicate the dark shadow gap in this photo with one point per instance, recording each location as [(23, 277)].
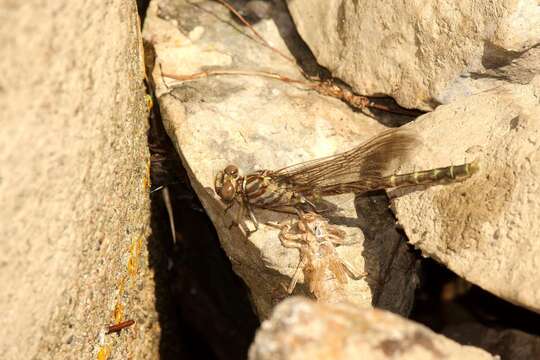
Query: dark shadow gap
[(142, 6), (388, 258), (470, 315), (443, 298)]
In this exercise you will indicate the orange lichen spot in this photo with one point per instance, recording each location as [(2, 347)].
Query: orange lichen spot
[(134, 252), (133, 262), (104, 353), (132, 248), (118, 313)]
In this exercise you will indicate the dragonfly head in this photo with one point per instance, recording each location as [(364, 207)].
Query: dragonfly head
[(226, 183)]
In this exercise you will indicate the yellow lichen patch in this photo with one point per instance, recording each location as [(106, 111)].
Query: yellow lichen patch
[(147, 182), (133, 265), (140, 243), (122, 286), (118, 313), (134, 252), (104, 353), (149, 102)]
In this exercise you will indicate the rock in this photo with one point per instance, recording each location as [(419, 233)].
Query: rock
[(508, 344), (423, 53), (302, 329), (486, 228), (75, 207), (260, 123)]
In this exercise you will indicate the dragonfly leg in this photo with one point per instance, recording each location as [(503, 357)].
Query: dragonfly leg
[(229, 207), (249, 209), (253, 219), (299, 212), (353, 273), (238, 220), (274, 224), (310, 203), (301, 264), (239, 216)]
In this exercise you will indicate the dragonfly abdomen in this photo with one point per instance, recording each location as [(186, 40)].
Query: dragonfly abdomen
[(438, 175)]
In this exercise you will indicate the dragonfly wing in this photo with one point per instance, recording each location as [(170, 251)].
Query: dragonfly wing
[(357, 170)]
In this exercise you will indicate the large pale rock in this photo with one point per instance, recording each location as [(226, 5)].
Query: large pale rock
[(485, 229), (258, 123), (422, 52), (75, 208), (303, 329)]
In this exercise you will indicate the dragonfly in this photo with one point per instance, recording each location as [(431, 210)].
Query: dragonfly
[(361, 169)]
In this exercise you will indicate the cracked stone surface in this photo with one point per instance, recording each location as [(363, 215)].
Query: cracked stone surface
[(423, 53), (258, 123), (302, 329)]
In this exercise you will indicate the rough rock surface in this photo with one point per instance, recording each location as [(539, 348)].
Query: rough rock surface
[(423, 53), (259, 123), (485, 229), (75, 208), (508, 344), (302, 329)]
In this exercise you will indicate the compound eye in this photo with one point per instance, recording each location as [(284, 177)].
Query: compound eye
[(231, 170), (227, 192)]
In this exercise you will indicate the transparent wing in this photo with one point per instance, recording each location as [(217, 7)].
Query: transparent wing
[(357, 170)]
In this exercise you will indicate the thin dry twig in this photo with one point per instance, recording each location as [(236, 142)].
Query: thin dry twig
[(326, 88), (210, 73), (118, 327)]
